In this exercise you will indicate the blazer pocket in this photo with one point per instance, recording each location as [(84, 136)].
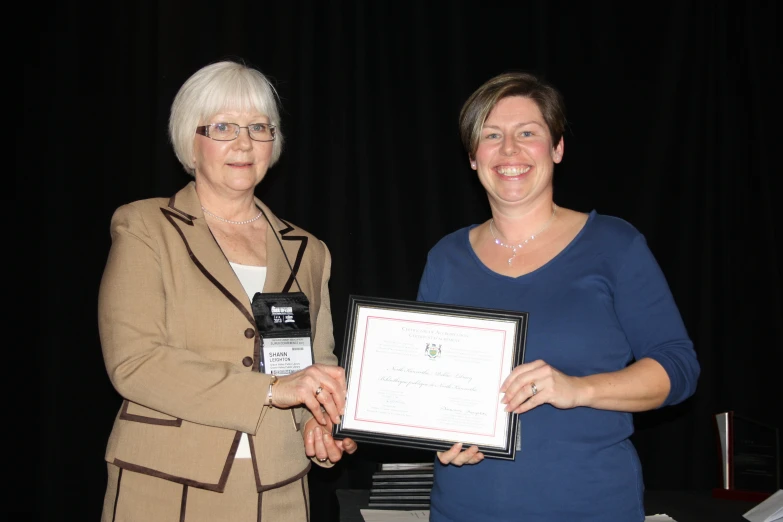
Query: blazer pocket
[(136, 413)]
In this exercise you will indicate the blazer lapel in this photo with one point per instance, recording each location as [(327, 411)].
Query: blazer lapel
[(284, 252), (184, 213)]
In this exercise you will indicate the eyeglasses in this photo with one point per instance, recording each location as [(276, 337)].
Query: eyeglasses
[(230, 131)]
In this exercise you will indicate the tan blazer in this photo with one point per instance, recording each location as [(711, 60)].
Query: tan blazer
[(181, 347)]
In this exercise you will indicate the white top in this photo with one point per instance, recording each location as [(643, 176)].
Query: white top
[(252, 279)]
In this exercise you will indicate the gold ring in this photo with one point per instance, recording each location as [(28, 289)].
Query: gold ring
[(533, 388)]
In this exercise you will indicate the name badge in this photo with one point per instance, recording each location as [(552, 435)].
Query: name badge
[(283, 322)]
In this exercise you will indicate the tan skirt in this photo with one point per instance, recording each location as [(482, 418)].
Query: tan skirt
[(135, 497)]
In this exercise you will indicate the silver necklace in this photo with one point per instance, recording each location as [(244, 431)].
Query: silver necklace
[(519, 246), (233, 222)]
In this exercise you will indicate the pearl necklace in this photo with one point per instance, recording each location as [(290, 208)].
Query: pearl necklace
[(519, 246), (233, 222)]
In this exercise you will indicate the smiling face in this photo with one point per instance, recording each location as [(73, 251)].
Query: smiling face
[(515, 158), (232, 166)]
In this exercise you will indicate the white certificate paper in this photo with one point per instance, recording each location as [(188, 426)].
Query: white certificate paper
[(428, 376)]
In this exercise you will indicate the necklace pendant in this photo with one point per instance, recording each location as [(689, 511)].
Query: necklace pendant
[(519, 246)]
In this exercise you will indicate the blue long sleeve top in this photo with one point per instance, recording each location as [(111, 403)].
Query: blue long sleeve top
[(596, 307)]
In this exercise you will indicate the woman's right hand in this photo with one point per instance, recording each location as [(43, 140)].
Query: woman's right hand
[(320, 387), (456, 457)]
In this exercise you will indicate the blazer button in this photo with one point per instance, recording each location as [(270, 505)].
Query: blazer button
[(250, 333), (248, 362)]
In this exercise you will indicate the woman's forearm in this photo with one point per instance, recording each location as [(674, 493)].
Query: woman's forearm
[(641, 386)]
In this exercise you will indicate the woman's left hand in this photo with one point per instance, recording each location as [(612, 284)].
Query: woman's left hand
[(320, 444), (532, 384)]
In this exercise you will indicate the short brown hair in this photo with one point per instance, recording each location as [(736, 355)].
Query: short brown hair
[(476, 109)]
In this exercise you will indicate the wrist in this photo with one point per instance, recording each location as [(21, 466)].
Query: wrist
[(585, 391)]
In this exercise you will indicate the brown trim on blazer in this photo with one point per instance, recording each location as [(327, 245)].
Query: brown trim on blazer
[(288, 480), (260, 487), (124, 415), (187, 217), (184, 504), (299, 254), (177, 214), (304, 496), (255, 465), (116, 496), (170, 217), (232, 452), (219, 487)]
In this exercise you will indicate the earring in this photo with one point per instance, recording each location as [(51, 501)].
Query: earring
[(473, 164)]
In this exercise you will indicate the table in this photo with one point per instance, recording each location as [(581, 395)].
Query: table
[(682, 506)]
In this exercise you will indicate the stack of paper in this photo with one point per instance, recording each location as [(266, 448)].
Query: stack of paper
[(381, 515), (401, 486), (384, 515)]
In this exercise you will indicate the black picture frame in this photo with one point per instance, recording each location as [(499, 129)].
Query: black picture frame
[(518, 322)]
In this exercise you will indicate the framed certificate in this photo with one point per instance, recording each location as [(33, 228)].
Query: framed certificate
[(424, 375)]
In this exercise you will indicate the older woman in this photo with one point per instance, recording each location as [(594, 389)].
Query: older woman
[(605, 337), (212, 427)]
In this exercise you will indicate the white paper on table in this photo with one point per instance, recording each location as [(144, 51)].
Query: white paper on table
[(393, 515), (770, 510)]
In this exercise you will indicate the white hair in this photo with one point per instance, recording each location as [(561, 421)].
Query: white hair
[(216, 88)]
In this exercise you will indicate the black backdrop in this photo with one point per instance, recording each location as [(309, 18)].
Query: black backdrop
[(674, 112)]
